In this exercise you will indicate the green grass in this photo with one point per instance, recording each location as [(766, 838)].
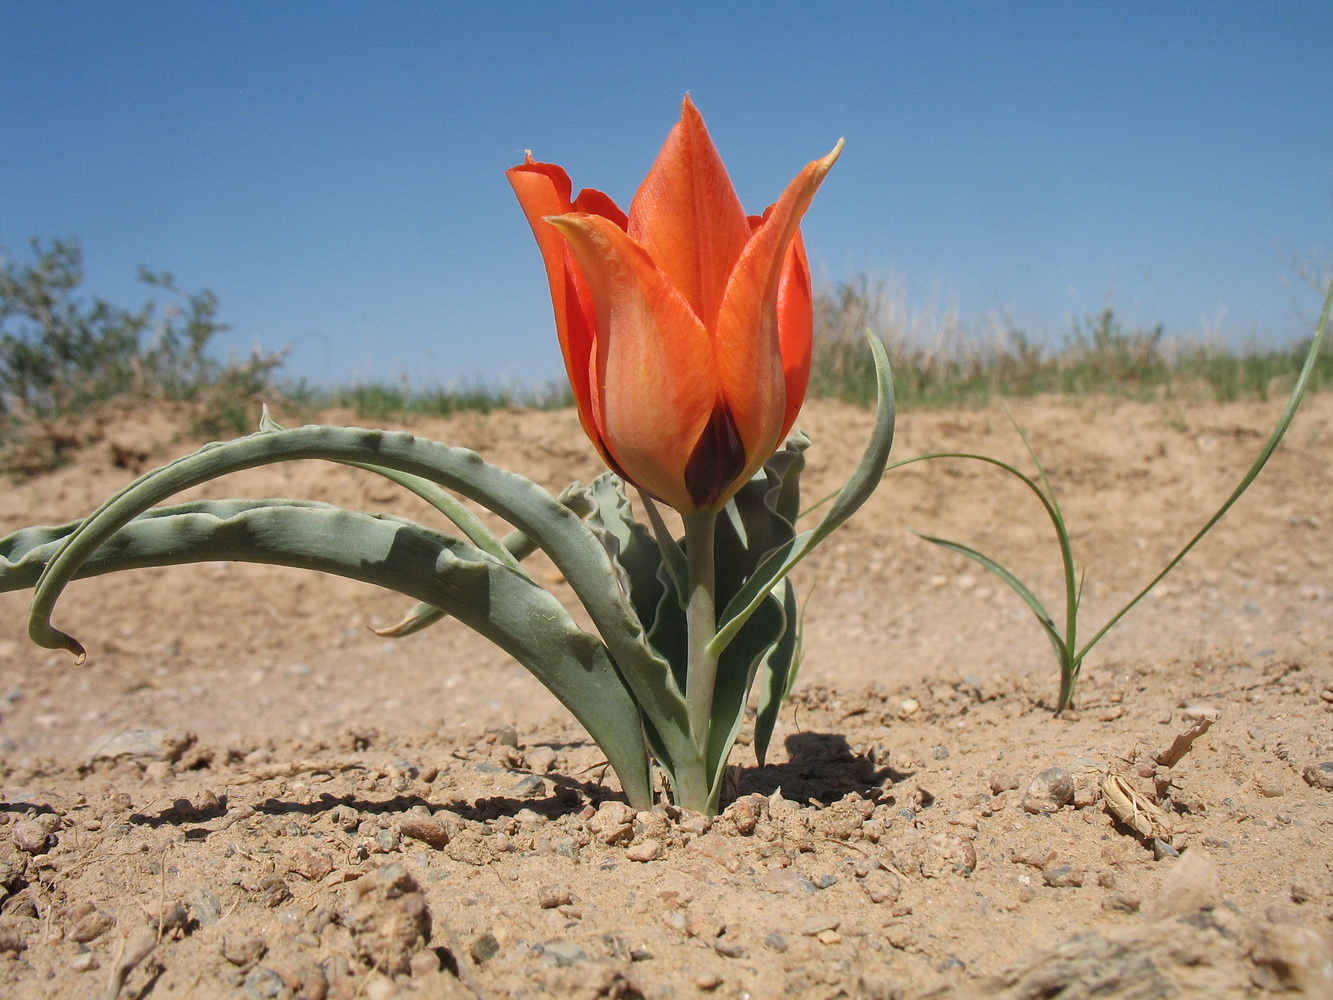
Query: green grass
[(378, 401), (938, 364), (62, 354)]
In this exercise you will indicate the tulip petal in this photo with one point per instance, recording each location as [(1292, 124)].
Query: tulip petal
[(796, 321), (543, 189), (795, 329), (655, 388), (746, 339), (716, 462), (687, 216)]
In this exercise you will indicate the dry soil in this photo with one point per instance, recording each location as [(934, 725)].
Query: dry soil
[(246, 793)]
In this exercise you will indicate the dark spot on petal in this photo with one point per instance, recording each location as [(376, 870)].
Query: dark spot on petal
[(718, 458)]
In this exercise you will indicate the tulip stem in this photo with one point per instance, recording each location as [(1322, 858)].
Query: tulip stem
[(701, 623)]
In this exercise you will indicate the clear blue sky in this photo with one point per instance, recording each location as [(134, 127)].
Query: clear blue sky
[(333, 170)]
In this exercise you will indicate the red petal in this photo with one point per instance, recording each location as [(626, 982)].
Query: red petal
[(750, 356), (687, 216), (795, 329), (655, 390), (543, 189)]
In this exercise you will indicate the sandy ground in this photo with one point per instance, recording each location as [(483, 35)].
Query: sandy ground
[(245, 793)]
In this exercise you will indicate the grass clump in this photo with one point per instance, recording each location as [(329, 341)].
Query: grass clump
[(64, 356), (380, 401), (937, 363)]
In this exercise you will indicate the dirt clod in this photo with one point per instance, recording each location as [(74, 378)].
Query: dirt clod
[(388, 917)]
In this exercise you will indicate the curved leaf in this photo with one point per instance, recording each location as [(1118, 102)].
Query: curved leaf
[(777, 673), (447, 573), (443, 501), (525, 505)]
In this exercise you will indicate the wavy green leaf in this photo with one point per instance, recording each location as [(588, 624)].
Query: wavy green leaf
[(525, 505), (447, 573)]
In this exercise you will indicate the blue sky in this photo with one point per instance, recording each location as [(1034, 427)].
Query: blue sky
[(333, 171)]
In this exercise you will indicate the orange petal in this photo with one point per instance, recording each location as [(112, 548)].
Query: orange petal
[(543, 189), (795, 329), (656, 387), (746, 341), (687, 216)]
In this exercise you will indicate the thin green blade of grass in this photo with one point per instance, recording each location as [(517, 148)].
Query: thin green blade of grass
[(1288, 413)]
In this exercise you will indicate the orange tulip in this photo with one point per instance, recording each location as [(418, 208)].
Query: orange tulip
[(686, 325)]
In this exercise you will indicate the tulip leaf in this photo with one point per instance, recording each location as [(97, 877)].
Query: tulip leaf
[(857, 490), (447, 573), (757, 520), (766, 642), (631, 547), (556, 529), (674, 564), (422, 616), (776, 678), (517, 544), (443, 501)]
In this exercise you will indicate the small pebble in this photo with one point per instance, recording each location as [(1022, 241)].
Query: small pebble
[(1121, 902), (1048, 791), (704, 924), (1320, 775), (1295, 958), (729, 948), (948, 852), (243, 951), (1269, 784), (1161, 850), (484, 948), (647, 850), (84, 962), (1191, 884), (1063, 877), (91, 926), (814, 925), (204, 907), (785, 881), (530, 787), (30, 837), (564, 953), (1003, 782), (263, 983), (964, 819), (424, 962), (427, 829), (551, 896)]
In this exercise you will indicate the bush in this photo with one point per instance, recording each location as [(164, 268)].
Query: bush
[(62, 355)]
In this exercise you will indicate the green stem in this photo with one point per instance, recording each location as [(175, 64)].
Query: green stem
[(701, 623)]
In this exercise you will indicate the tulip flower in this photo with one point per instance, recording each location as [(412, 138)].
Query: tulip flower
[(686, 324)]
